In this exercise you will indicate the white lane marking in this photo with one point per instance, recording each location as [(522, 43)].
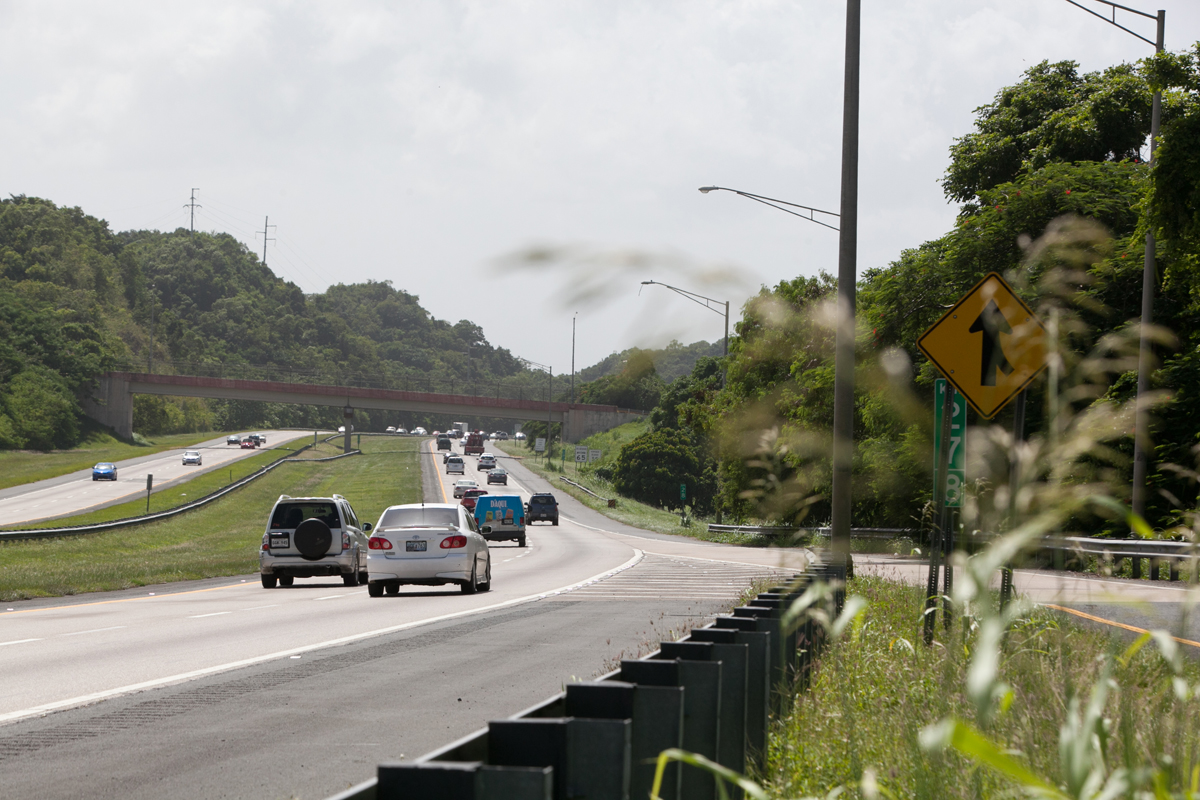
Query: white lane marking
[(214, 614), (246, 662), (18, 641), (93, 630), (329, 597), (255, 608)]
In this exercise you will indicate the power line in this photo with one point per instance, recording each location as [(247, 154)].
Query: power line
[(193, 205), (266, 229)]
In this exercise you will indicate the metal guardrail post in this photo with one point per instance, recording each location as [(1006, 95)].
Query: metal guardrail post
[(658, 723), (589, 757), (758, 683), (731, 739)]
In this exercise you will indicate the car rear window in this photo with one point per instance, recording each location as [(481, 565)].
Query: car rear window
[(419, 518), (537, 501), (290, 515)]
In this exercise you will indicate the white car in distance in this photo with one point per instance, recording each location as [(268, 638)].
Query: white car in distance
[(191, 458), (460, 487), (427, 545)]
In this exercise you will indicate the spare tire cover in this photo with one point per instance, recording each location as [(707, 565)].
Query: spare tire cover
[(312, 538)]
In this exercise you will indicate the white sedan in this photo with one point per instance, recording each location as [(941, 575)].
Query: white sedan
[(460, 487), (191, 458), (427, 545)]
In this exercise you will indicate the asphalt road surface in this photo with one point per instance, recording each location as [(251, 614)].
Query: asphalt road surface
[(76, 492), (222, 688)]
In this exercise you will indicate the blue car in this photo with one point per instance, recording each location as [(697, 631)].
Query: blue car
[(104, 472)]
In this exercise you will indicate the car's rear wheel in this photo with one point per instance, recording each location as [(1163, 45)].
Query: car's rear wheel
[(521, 542), (287, 580), (375, 589), (362, 577), (393, 589), (555, 523), (269, 581), (350, 579), (486, 586), (472, 585)]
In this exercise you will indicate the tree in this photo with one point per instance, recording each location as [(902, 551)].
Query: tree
[(1053, 114), (43, 413), (652, 467)]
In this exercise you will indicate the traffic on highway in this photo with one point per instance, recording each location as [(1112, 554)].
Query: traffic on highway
[(107, 483)]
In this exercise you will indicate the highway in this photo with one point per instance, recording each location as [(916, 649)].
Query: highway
[(76, 492), (221, 688), (215, 684)]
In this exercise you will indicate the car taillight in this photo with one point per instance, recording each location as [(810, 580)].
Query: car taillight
[(345, 541), (451, 542), (266, 542), (379, 543)]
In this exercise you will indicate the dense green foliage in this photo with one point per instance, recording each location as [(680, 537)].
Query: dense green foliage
[(636, 386), (77, 299), (671, 362), (1052, 155)]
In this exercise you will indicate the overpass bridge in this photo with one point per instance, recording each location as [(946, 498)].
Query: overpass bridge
[(113, 401)]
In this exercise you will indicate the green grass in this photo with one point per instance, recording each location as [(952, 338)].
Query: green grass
[(630, 512), (874, 691), (26, 466), (181, 493), (219, 539)]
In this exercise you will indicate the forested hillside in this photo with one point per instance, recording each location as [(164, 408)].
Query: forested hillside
[(77, 299), (1054, 196)]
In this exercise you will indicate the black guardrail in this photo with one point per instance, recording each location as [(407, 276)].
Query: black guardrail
[(1058, 552), (80, 530), (711, 693)]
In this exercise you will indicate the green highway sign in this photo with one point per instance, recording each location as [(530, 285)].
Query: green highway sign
[(956, 475)]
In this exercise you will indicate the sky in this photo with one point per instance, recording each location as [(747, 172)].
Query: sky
[(437, 145)]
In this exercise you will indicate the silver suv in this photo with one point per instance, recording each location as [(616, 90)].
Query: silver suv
[(307, 537)]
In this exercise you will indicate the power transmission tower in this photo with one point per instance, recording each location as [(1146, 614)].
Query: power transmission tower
[(193, 205), (266, 229)]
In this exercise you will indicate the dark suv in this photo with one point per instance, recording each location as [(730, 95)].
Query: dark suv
[(542, 506)]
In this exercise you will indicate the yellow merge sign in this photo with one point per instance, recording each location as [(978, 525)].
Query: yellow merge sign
[(989, 345)]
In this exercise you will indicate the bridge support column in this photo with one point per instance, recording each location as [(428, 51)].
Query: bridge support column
[(112, 404), (347, 422)]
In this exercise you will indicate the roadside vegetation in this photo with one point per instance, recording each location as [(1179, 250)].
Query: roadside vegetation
[(18, 467), (217, 540), (1068, 700)]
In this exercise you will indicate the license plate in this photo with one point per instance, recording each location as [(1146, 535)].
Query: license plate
[(279, 542), (415, 547)]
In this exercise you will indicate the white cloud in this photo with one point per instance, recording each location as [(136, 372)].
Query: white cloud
[(417, 142)]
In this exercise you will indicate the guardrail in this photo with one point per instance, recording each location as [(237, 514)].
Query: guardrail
[(711, 693), (80, 530), (1060, 552)]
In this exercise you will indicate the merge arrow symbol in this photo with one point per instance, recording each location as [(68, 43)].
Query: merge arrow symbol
[(991, 323)]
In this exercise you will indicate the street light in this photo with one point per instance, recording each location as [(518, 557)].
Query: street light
[(1141, 420), (576, 314), (770, 201), (700, 299)]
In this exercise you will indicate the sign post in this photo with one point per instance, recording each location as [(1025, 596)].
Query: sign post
[(682, 499), (581, 455), (539, 445), (595, 455), (989, 347), (149, 486), (955, 482)]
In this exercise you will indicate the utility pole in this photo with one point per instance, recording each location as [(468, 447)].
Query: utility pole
[(843, 379), (266, 229), (193, 205), (150, 352), (573, 357)]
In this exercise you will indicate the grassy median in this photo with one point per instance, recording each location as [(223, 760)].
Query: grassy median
[(19, 467), (219, 539)]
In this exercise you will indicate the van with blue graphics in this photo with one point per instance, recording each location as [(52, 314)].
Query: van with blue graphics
[(504, 514)]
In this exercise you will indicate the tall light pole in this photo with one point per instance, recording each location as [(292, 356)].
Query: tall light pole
[(717, 306), (150, 352), (576, 314), (1141, 430), (843, 374)]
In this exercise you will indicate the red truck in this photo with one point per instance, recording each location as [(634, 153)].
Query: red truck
[(474, 445)]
